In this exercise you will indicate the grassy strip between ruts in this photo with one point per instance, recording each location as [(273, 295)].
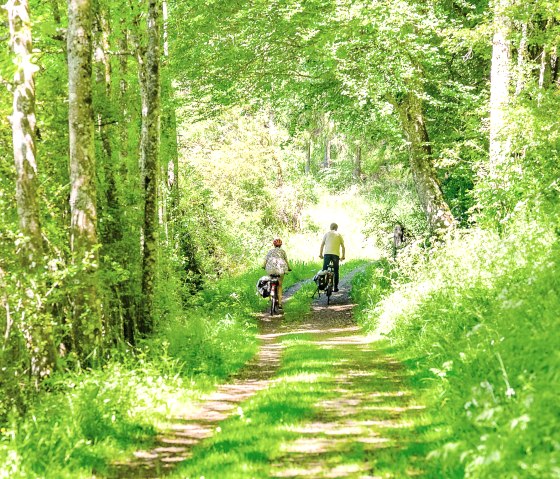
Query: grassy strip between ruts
[(339, 405)]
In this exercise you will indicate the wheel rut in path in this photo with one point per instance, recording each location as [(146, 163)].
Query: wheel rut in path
[(309, 456)]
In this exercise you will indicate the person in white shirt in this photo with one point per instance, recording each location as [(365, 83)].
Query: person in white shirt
[(333, 248)]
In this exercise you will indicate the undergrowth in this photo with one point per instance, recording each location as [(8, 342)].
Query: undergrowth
[(477, 317)]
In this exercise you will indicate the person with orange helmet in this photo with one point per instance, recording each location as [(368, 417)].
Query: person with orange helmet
[(276, 263)]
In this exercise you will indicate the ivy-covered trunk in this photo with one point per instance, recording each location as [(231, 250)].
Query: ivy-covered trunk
[(86, 315), (34, 320), (426, 182)]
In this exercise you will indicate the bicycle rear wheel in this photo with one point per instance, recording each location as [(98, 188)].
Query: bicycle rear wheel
[(273, 301), (329, 289), (329, 292)]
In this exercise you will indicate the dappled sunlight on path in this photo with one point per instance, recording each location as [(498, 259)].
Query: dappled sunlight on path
[(371, 409), (342, 409)]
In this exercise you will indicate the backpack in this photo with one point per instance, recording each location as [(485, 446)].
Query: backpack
[(276, 265), (263, 286), (321, 280)]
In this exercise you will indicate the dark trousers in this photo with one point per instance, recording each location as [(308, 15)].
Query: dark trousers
[(326, 260)]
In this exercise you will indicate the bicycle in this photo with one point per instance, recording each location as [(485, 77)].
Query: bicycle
[(274, 282), (325, 282), (330, 281)]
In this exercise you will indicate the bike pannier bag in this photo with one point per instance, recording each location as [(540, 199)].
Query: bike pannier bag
[(263, 286), (321, 280)]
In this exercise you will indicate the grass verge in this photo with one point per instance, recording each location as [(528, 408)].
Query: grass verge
[(475, 319)]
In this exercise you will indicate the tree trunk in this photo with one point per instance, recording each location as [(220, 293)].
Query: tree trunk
[(56, 12), (37, 331), (358, 163), (308, 157), (327, 156), (112, 231), (86, 321), (427, 184), (499, 89), (521, 60), (149, 75), (169, 138)]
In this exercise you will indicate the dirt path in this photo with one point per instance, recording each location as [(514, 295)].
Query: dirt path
[(360, 414)]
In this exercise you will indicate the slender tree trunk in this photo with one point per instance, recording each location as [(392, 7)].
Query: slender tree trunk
[(34, 325), (86, 322), (113, 220), (499, 89), (521, 60), (149, 68), (55, 11), (169, 136), (327, 156), (308, 156), (544, 69), (23, 129), (427, 184), (358, 163), (555, 66), (103, 74)]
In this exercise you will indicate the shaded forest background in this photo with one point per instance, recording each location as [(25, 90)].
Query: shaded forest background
[(151, 150)]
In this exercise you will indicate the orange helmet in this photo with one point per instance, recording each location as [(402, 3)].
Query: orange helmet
[(277, 242)]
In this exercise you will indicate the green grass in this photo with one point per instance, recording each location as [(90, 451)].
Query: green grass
[(477, 321), (312, 418), (81, 421)]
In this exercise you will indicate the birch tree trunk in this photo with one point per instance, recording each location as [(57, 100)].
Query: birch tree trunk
[(169, 137), (86, 321), (34, 324), (426, 182), (500, 76), (149, 74), (23, 129)]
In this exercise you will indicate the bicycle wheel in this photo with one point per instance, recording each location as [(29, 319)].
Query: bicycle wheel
[(329, 292), (273, 301)]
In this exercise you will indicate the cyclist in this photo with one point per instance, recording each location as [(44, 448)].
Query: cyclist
[(276, 262), (332, 245)]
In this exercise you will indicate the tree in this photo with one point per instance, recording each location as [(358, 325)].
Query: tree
[(148, 56), (420, 150), (357, 172), (86, 314), (499, 88), (342, 59), (37, 331), (23, 131)]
